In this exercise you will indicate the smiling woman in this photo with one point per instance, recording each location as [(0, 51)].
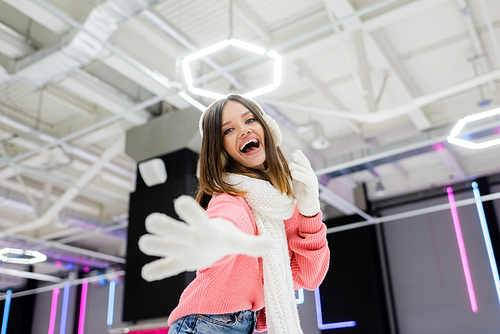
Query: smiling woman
[(239, 137), (257, 237), (243, 136)]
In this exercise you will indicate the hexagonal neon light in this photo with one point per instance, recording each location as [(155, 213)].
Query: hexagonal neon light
[(31, 256), (452, 138), (224, 44)]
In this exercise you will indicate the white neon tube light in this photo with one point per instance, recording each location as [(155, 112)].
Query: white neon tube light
[(111, 302), (248, 46), (206, 51), (452, 138), (206, 93), (31, 256), (487, 239), (187, 72), (239, 44)]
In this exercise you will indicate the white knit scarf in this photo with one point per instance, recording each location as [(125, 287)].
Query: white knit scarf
[(269, 208)]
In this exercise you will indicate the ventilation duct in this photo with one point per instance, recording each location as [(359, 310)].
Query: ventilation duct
[(78, 48)]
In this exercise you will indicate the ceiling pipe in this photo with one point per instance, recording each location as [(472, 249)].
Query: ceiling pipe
[(70, 193), (68, 248), (44, 137), (384, 115), (108, 276), (30, 275), (433, 140)]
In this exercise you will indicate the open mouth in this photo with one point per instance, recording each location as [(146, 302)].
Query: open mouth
[(249, 146)]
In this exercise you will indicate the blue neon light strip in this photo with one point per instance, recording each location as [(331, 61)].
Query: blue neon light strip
[(319, 316), (300, 298), (487, 239), (64, 312), (6, 310), (111, 302)]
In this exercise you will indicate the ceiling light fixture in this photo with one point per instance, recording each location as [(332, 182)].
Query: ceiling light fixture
[(31, 256), (224, 44), (452, 138)]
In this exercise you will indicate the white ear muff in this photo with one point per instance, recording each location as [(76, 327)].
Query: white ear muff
[(271, 124), (274, 128)]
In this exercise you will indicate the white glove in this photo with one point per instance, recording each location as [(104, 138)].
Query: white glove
[(305, 184), (197, 244)]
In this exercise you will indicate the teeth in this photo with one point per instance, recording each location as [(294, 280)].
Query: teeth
[(248, 142)]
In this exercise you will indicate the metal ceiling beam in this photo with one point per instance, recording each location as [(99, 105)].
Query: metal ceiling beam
[(364, 69), (321, 90), (30, 275), (379, 61), (70, 193), (340, 203), (412, 213), (403, 109), (250, 22), (493, 35), (415, 147), (91, 279), (480, 53), (401, 13), (451, 162), (44, 244)]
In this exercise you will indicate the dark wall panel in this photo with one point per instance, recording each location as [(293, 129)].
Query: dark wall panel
[(353, 289), (144, 300)]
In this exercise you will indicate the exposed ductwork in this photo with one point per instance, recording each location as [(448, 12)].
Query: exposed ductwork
[(77, 48)]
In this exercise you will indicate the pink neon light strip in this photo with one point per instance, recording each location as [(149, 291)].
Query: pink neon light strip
[(461, 247), (83, 305), (53, 310)]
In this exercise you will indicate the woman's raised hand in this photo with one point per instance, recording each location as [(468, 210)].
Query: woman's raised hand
[(197, 244), (305, 184)]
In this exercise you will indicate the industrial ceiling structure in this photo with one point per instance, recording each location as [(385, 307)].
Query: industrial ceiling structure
[(368, 89)]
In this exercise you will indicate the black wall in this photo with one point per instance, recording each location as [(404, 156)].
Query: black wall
[(353, 289), (145, 300)]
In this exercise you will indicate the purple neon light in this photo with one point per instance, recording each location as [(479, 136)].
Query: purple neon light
[(83, 305), (319, 316), (53, 310), (64, 311), (461, 247)]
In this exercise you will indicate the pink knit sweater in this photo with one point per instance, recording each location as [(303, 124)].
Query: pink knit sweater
[(236, 282)]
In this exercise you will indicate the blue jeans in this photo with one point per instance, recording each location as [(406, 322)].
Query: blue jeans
[(242, 322)]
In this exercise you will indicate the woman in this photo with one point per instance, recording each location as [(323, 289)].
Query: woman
[(260, 237)]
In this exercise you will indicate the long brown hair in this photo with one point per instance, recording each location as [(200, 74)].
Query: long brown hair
[(214, 160)]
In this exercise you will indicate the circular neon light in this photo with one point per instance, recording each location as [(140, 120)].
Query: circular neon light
[(239, 44)]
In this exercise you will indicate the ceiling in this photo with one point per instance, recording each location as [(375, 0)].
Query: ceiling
[(383, 82)]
